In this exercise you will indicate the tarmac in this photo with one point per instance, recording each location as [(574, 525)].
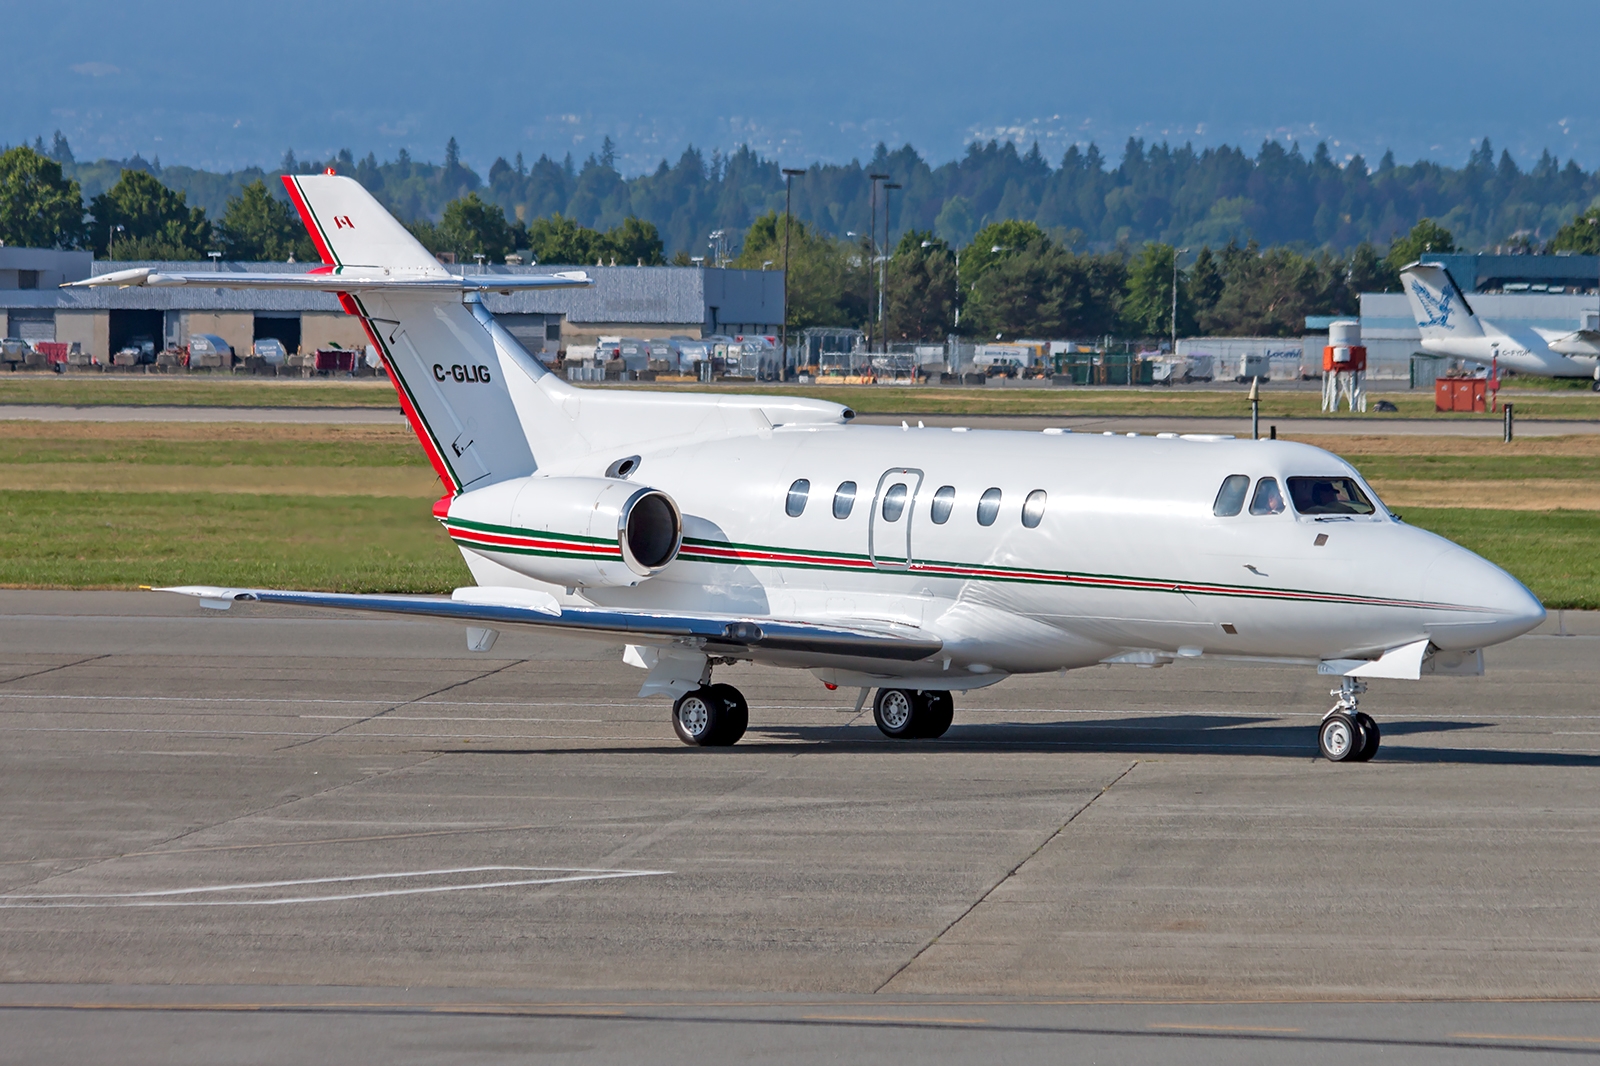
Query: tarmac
[(271, 835)]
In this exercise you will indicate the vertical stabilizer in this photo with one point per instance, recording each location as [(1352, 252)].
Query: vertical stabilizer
[(446, 368), (1441, 311)]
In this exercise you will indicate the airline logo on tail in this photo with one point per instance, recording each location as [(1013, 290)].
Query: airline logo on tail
[(1437, 306)]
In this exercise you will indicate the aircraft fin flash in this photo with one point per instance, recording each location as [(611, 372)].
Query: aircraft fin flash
[(1438, 304)]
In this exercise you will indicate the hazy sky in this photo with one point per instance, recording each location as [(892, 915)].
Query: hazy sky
[(224, 84)]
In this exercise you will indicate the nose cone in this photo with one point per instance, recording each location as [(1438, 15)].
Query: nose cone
[(1478, 603)]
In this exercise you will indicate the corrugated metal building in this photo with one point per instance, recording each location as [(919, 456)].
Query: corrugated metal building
[(630, 301)]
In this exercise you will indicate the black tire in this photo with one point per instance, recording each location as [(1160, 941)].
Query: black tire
[(937, 711), (735, 717), (1339, 738), (896, 711), (1371, 736), (697, 717), (1596, 385)]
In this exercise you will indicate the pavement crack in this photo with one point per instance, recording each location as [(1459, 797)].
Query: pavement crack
[(1062, 828), (53, 669), (403, 703)]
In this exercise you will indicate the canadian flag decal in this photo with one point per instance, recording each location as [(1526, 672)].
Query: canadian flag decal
[(343, 222)]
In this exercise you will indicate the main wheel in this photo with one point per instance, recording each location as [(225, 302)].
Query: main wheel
[(1370, 734), (1339, 737), (895, 711), (936, 713), (735, 714)]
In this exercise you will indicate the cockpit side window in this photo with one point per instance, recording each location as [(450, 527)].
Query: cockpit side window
[(1328, 496), (1230, 498), (1268, 499)]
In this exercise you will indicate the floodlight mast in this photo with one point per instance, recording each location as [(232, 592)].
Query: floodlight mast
[(883, 265), (788, 189), (872, 243)]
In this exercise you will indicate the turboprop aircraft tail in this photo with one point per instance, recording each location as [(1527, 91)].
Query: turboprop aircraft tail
[(1440, 309)]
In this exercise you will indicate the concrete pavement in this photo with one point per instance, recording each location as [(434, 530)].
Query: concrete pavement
[(270, 808)]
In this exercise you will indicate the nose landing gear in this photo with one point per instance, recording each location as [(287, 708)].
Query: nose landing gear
[(1347, 733)]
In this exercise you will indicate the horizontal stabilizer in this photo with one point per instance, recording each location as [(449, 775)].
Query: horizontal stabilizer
[(714, 634), (338, 279)]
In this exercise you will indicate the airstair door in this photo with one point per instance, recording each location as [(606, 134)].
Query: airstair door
[(889, 526)]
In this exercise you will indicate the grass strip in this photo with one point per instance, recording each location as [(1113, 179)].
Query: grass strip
[(123, 540), (182, 390), (1554, 553)]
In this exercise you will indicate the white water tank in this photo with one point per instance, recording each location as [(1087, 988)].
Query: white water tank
[(1344, 333)]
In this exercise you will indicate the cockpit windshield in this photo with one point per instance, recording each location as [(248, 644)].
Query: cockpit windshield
[(1328, 496)]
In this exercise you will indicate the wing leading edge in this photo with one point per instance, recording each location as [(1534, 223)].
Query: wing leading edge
[(715, 634)]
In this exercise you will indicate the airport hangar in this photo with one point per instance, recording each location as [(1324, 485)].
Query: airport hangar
[(629, 301)]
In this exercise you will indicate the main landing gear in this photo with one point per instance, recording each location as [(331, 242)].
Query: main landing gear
[(711, 716), (908, 714), (1347, 733)]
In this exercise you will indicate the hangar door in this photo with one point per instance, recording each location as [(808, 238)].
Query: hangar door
[(32, 325), (285, 329)]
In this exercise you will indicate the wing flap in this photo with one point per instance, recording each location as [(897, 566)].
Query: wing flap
[(715, 634)]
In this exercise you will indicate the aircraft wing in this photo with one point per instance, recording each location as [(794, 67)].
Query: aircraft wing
[(331, 279), (712, 633)]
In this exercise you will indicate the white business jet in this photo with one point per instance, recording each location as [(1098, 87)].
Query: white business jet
[(1450, 327), (702, 530)]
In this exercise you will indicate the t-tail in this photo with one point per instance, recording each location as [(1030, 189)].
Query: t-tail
[(1441, 311)]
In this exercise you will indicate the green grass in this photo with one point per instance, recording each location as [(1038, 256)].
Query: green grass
[(123, 540), (84, 390), (1476, 467), (1554, 553), (398, 452)]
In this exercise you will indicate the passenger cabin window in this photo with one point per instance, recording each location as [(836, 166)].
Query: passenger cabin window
[(988, 507), (844, 498), (1267, 500), (798, 494), (894, 502), (1230, 498), (1033, 508), (1328, 496), (944, 501)]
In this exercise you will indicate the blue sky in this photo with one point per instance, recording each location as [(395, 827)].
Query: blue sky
[(221, 84)]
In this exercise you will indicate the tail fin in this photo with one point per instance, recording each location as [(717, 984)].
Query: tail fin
[(444, 364), (1437, 304), (351, 229)]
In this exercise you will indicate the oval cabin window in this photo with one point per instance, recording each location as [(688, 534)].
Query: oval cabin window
[(894, 502), (798, 493), (844, 498), (1230, 498), (988, 507), (944, 501), (1033, 508)]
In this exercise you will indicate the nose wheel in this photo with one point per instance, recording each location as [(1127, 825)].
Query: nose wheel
[(1347, 733)]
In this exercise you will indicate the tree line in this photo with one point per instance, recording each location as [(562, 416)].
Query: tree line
[(1011, 277)]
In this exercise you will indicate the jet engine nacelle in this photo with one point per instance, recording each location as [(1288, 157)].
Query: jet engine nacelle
[(574, 531)]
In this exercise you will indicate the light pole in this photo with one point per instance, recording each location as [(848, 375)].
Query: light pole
[(872, 241), (883, 276), (1176, 252), (111, 238), (788, 191)]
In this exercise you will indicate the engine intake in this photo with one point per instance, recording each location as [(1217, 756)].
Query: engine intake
[(577, 531)]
